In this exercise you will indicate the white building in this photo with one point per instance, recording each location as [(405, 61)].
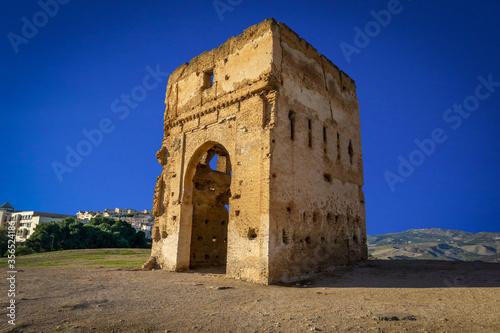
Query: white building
[(7, 207), (142, 220), (27, 221), (4, 218), (6, 211), (125, 211), (86, 215), (116, 214), (109, 213), (143, 227)]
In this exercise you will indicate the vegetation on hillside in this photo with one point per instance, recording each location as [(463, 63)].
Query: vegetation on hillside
[(4, 240), (434, 235), (436, 244)]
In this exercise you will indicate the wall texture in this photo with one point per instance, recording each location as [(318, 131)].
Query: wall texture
[(283, 123)]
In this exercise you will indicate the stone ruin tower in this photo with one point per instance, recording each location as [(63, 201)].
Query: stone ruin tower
[(262, 165)]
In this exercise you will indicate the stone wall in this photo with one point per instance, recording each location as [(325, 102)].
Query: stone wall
[(318, 216), (229, 109), (283, 122)]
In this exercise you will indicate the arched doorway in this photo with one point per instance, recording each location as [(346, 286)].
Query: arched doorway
[(210, 197)]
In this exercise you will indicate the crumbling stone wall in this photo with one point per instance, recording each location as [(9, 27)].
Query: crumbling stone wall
[(318, 216), (210, 196), (283, 122)]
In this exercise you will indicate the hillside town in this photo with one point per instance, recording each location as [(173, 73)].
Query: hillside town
[(27, 221), (141, 220)]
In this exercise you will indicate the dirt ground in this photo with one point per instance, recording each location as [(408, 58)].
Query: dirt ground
[(379, 296)]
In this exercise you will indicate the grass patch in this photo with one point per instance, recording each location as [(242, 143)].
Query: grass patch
[(48, 264), (126, 263), (85, 256), (88, 257)]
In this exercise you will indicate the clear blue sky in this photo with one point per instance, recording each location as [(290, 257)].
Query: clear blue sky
[(69, 75)]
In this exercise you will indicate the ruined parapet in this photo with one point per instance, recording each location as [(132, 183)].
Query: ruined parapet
[(283, 123)]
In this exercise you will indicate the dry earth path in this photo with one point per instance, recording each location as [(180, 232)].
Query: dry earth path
[(380, 296)]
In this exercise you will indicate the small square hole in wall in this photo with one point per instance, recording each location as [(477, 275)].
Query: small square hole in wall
[(208, 79), (252, 234)]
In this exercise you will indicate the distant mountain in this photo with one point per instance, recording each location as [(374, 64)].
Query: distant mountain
[(438, 244)]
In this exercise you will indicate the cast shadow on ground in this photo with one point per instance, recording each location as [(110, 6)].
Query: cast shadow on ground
[(395, 274), (410, 274)]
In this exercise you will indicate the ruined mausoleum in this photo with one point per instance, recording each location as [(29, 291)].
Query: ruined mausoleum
[(262, 164)]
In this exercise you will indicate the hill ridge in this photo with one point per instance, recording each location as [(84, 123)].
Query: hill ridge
[(436, 243)]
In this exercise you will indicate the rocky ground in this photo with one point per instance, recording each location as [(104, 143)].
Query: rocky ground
[(380, 296)]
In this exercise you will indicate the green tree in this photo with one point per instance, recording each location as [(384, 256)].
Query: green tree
[(42, 241), (101, 220), (100, 232), (125, 230), (4, 241), (140, 240)]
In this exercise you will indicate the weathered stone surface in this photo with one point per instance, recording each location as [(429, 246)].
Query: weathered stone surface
[(284, 124), (150, 264)]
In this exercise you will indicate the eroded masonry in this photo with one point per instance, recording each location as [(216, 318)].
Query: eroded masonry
[(262, 165)]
